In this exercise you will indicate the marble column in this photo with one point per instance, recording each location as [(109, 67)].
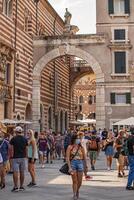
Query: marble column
[(100, 106)]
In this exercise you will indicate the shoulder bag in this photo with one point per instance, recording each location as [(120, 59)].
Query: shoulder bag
[(65, 169)]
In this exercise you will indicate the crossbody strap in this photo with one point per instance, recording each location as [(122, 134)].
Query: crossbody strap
[(75, 153)]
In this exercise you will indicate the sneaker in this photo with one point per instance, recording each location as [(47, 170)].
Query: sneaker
[(29, 185), (21, 189), (88, 178), (43, 166), (2, 186), (92, 167), (108, 169), (15, 189), (119, 175), (129, 188), (33, 184)]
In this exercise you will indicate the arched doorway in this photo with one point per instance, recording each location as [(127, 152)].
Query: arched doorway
[(28, 112), (66, 120), (50, 118), (72, 51), (41, 117), (56, 122), (61, 122)]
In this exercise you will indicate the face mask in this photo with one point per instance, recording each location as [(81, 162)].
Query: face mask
[(1, 138), (77, 141)]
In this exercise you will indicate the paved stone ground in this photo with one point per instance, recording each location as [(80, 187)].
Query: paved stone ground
[(54, 186)]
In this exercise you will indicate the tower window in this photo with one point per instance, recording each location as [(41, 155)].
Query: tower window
[(119, 7), (121, 98), (119, 34), (120, 62), (81, 99)]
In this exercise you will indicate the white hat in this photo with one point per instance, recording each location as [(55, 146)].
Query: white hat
[(18, 129)]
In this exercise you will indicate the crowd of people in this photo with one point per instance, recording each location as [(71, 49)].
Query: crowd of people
[(75, 147)]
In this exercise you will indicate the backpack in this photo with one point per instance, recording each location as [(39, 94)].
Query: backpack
[(93, 144)]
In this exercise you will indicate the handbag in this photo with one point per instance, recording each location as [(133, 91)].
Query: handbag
[(65, 168), (116, 155)]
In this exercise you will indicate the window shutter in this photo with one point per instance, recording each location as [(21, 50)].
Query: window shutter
[(112, 98), (128, 98), (127, 6), (111, 6)]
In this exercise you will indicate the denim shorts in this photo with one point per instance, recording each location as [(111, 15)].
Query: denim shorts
[(77, 165), (19, 165)]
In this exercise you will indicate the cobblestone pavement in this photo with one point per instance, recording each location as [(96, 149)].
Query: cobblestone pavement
[(54, 186)]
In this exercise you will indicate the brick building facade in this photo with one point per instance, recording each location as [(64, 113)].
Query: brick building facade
[(20, 21)]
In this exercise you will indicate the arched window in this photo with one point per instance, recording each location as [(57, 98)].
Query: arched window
[(28, 22), (66, 120), (76, 100), (41, 117), (94, 99), (50, 118), (8, 7), (61, 121), (81, 99), (28, 112), (18, 117), (90, 100)]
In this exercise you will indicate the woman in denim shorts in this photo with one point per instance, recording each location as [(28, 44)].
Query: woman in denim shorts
[(75, 157), (4, 149)]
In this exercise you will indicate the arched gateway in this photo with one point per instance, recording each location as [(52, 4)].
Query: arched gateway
[(73, 50)]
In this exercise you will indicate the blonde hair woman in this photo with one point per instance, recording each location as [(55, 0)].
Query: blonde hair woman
[(32, 156)]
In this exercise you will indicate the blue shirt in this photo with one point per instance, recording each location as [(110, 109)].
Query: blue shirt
[(4, 147)]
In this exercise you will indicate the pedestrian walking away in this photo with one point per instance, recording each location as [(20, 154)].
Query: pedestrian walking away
[(19, 148)]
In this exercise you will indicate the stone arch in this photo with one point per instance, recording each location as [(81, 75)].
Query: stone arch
[(73, 51)]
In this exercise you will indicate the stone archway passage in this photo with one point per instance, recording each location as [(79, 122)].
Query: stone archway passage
[(73, 51)]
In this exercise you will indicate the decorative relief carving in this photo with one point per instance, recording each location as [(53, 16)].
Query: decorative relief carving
[(63, 49)]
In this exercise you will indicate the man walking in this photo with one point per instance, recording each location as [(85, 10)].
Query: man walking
[(19, 152), (130, 145)]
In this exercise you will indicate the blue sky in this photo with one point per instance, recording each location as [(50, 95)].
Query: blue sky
[(83, 13)]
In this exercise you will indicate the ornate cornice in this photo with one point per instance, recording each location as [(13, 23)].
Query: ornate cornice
[(120, 46)]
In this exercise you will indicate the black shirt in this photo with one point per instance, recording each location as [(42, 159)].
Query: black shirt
[(19, 143), (130, 145)]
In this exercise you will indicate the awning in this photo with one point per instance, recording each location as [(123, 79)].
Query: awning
[(125, 122), (10, 121)]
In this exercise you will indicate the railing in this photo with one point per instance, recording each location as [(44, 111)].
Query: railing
[(79, 63)]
